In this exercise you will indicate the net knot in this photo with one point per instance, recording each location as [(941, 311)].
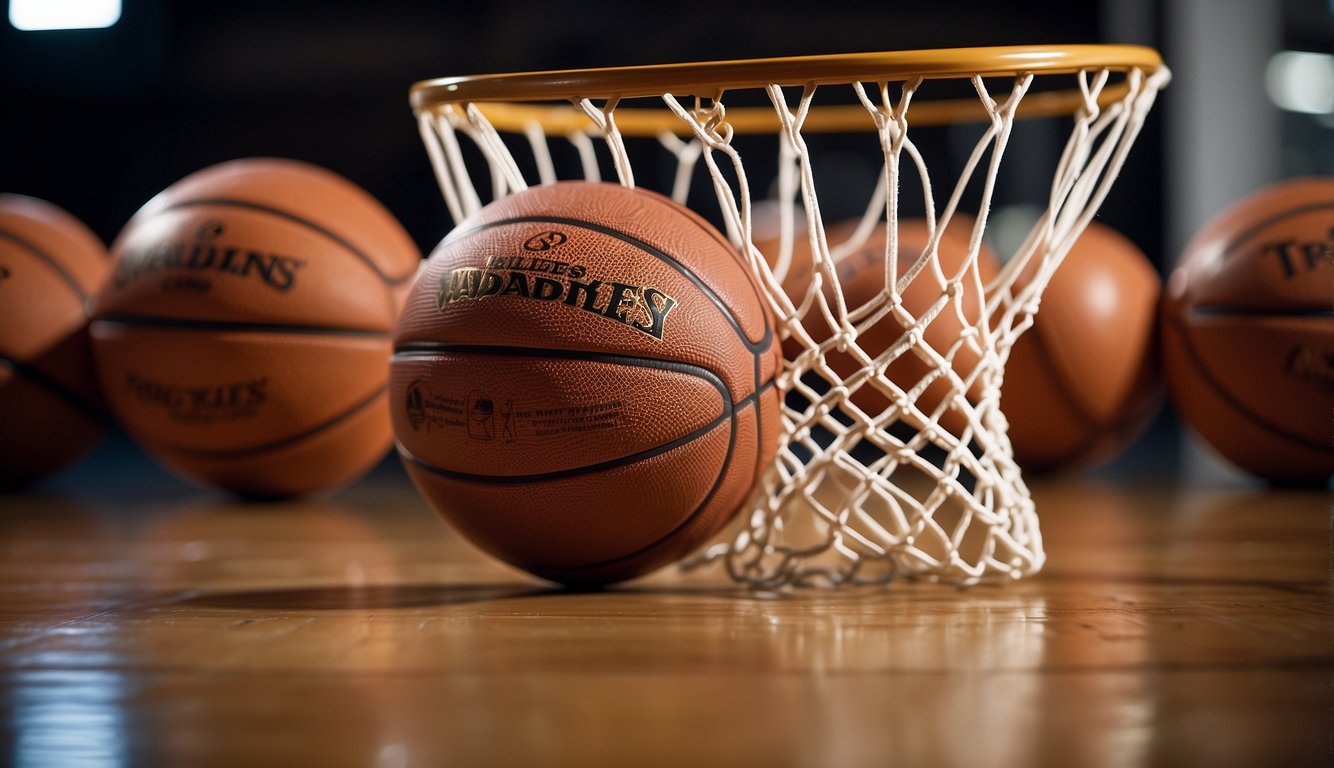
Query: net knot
[(712, 120), (1090, 107)]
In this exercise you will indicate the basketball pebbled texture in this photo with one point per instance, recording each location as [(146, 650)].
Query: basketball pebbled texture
[(583, 382), (244, 334), (1248, 332), (51, 412), (1084, 381)]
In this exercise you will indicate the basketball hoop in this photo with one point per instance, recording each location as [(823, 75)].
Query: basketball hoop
[(924, 487)]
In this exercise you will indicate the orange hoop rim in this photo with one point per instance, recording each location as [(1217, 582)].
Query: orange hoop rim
[(564, 119), (709, 79)]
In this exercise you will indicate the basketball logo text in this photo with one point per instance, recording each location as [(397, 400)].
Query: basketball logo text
[(184, 264), (1296, 257), (641, 307), (545, 241), (486, 416), (1313, 365), (222, 402), (428, 411)]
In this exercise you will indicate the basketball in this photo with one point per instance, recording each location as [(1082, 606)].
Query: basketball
[(1084, 382), (243, 337), (583, 381), (1248, 338), (50, 409), (861, 275)]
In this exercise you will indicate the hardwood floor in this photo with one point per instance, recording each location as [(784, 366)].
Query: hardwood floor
[(146, 623)]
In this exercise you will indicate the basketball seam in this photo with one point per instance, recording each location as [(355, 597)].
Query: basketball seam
[(280, 213), (285, 442), (562, 474), (717, 483), (761, 344), (669, 535), (712, 232), (730, 411), (1207, 375), (56, 388), (729, 414), (1235, 242), (1097, 437), (186, 324), (756, 348), (1066, 386), (759, 420), (46, 258), (427, 348)]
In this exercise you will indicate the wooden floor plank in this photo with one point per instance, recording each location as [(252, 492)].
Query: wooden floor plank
[(1172, 626)]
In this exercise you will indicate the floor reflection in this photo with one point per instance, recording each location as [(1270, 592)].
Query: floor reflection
[(60, 555), (67, 718), (365, 597), (199, 544)]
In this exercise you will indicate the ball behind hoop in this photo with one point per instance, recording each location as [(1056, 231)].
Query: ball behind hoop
[(1248, 338)]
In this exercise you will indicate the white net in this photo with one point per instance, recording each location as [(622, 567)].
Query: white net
[(894, 460)]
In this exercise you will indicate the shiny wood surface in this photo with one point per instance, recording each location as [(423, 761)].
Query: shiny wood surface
[(145, 623)]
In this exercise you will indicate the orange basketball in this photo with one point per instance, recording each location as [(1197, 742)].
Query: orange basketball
[(583, 381), (244, 336), (50, 409), (1083, 382), (1248, 336), (861, 274)]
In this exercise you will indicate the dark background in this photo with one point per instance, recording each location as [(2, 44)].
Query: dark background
[(98, 121)]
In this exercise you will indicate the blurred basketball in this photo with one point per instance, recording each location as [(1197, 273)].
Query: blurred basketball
[(583, 381), (1248, 337), (1083, 382), (50, 409), (861, 274), (244, 336)]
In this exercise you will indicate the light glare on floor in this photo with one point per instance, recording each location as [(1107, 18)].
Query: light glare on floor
[(34, 15)]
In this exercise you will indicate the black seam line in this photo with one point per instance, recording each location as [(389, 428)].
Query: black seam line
[(420, 350), (694, 514), (712, 378), (50, 262), (1236, 242), (730, 415), (55, 387), (759, 418), (704, 503), (669, 535), (667, 259), (1221, 391), (562, 474), (742, 258), (280, 213), (426, 349), (1066, 387), (1213, 310), (183, 324), (1094, 431), (689, 519), (285, 442)]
